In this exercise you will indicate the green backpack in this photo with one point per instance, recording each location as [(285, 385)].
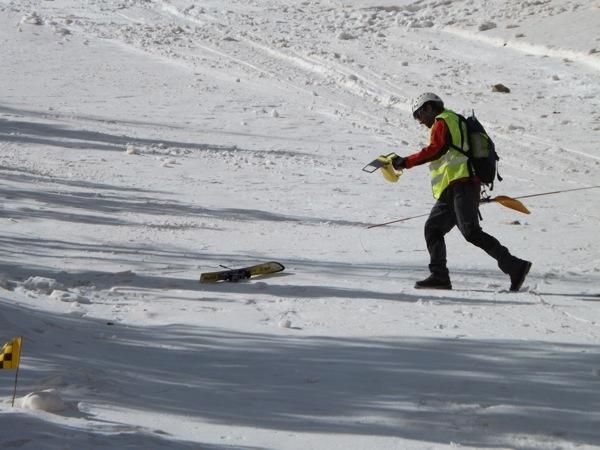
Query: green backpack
[(483, 159)]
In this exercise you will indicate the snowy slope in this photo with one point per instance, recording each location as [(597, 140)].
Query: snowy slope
[(143, 142)]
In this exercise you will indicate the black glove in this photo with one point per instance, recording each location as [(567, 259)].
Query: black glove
[(398, 162)]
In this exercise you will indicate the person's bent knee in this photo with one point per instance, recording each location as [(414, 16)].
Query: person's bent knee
[(472, 234)]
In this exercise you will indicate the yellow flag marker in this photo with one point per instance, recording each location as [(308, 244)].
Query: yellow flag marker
[(10, 357), (11, 354)]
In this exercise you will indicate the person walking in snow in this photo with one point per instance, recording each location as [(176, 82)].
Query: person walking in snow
[(457, 195)]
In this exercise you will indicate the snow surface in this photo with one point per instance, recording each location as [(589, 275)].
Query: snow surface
[(143, 142)]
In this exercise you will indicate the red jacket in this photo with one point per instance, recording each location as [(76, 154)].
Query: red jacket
[(438, 145)]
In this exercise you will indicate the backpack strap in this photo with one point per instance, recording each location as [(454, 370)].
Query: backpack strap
[(462, 121)]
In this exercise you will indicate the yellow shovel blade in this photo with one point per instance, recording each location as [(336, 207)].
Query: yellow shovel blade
[(511, 203), (387, 169)]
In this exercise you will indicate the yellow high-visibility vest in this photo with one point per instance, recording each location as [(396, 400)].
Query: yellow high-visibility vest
[(452, 165)]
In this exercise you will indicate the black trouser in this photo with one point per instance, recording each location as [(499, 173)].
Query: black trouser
[(458, 205)]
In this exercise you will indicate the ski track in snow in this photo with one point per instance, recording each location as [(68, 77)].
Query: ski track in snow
[(307, 65), (537, 50)]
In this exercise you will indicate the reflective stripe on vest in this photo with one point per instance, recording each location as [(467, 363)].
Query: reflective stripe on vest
[(452, 165)]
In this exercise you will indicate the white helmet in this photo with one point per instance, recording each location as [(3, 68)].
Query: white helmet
[(424, 98)]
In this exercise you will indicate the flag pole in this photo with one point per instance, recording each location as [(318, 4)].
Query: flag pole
[(17, 372)]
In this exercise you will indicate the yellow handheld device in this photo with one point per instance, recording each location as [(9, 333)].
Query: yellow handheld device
[(384, 162)]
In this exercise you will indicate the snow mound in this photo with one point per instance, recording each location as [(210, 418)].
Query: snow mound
[(42, 285), (33, 18), (47, 400), (285, 323), (70, 297)]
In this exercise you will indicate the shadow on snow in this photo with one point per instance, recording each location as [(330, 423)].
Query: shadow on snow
[(476, 392)]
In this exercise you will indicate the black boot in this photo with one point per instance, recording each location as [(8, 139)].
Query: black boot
[(518, 274), (434, 281)]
